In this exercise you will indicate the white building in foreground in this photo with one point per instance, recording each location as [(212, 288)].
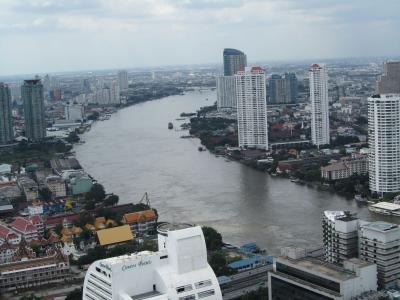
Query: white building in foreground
[(252, 108), (178, 271)]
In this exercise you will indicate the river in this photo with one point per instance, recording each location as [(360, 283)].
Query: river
[(134, 152)]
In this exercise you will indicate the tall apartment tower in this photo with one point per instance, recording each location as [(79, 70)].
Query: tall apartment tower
[(32, 96), (340, 236), (283, 90), (379, 244), (6, 126), (319, 105), (384, 143), (389, 81), (226, 93), (252, 108), (234, 61), (123, 80)]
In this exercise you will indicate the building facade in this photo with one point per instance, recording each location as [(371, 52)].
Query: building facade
[(74, 112), (389, 81), (283, 90), (298, 276), (56, 185), (234, 61), (32, 96), (252, 108), (6, 125), (319, 105), (384, 143), (226, 93), (178, 271), (123, 80), (379, 243), (345, 168), (141, 222), (340, 236)]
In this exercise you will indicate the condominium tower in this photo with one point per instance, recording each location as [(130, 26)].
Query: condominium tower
[(319, 105), (389, 81), (384, 143), (32, 96), (123, 80), (6, 128), (226, 93), (252, 108), (234, 61), (283, 89)]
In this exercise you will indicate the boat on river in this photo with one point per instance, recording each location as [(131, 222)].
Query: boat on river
[(170, 125), (360, 199), (385, 208)]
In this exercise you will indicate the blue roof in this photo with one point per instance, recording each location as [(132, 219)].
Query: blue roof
[(246, 262), (223, 279)]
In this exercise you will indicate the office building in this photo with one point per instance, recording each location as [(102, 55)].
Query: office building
[(234, 61), (283, 90), (6, 125), (178, 271), (298, 276), (319, 105), (252, 108), (389, 81), (384, 143), (32, 96), (226, 93), (123, 80), (74, 112), (340, 236), (379, 243)]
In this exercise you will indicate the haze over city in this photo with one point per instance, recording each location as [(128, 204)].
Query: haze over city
[(40, 36)]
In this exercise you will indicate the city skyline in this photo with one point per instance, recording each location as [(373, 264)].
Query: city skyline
[(153, 35)]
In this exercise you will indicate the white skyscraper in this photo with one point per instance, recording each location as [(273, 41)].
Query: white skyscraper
[(319, 105), (252, 108), (384, 143), (226, 93), (178, 271), (123, 80), (114, 93)]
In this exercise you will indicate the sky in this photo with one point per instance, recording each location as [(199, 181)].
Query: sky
[(38, 36)]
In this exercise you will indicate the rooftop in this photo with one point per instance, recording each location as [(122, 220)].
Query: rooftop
[(114, 235), (386, 206), (380, 226), (334, 215), (166, 227)]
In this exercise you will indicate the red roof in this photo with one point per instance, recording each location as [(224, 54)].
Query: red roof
[(315, 66), (59, 219), (23, 225), (36, 219), (4, 231), (256, 68)]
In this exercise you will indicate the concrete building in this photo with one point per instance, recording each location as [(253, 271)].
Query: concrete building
[(28, 273), (234, 61), (226, 93), (29, 187), (252, 108), (123, 80), (25, 228), (6, 125), (114, 93), (389, 81), (178, 271), (32, 96), (379, 243), (283, 90), (141, 222), (345, 168), (74, 112), (319, 105), (340, 236), (56, 185), (384, 143), (297, 276)]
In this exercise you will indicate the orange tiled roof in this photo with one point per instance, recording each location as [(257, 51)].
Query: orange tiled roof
[(139, 216)]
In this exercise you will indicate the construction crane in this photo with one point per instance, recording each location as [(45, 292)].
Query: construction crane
[(145, 199)]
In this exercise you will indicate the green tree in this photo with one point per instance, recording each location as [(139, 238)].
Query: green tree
[(213, 238), (74, 295), (73, 137), (96, 193), (111, 200), (45, 194), (218, 263)]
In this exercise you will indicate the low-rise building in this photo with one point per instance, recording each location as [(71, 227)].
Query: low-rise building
[(80, 185), (142, 222), (56, 185), (345, 168), (25, 228), (298, 276), (28, 273), (111, 236), (9, 236), (29, 187)]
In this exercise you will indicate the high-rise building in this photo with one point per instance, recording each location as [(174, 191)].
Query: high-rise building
[(283, 89), (389, 81), (32, 96), (340, 236), (252, 108), (384, 143), (6, 125), (226, 93), (178, 271), (379, 244), (296, 275), (319, 105), (123, 80), (234, 61), (114, 93)]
